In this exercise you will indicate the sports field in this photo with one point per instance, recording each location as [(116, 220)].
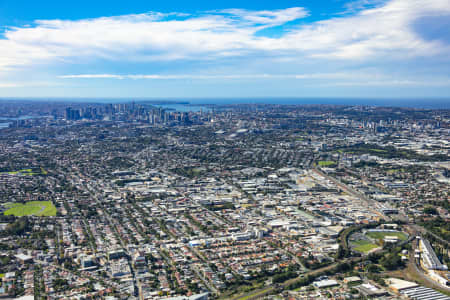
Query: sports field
[(326, 163), (379, 235), (364, 246), (27, 172), (32, 208)]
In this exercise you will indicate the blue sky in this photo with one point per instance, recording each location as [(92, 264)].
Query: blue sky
[(336, 48)]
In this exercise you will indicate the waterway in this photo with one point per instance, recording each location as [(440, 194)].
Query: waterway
[(6, 124), (183, 107)]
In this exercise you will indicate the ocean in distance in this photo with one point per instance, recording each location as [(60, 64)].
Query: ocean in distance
[(433, 103), (196, 103)]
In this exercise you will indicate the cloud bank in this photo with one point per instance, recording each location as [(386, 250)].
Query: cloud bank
[(385, 31), (376, 47), (342, 79)]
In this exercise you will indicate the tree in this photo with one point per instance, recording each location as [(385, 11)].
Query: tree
[(342, 252), (430, 210), (392, 261), (19, 227)]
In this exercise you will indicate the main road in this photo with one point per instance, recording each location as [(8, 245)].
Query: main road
[(414, 266), (257, 294), (370, 203)]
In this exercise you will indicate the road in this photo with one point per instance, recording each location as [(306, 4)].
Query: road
[(96, 196), (90, 276), (370, 203), (256, 294), (271, 289), (205, 281), (414, 267), (424, 230)]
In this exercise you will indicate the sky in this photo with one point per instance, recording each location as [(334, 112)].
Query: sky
[(151, 49)]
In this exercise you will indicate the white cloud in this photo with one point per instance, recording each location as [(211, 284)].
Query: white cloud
[(141, 37), (351, 79), (267, 18), (218, 76), (392, 83), (382, 32), (93, 76), (27, 84), (9, 85), (358, 5)]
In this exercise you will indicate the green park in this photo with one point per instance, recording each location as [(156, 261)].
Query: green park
[(326, 163), (32, 208), (371, 240), (26, 172)]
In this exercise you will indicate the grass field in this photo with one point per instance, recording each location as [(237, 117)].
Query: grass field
[(326, 163), (26, 172), (364, 246), (23, 171), (35, 208), (380, 235)]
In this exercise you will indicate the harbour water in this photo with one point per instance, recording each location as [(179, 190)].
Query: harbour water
[(4, 124), (183, 107)]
